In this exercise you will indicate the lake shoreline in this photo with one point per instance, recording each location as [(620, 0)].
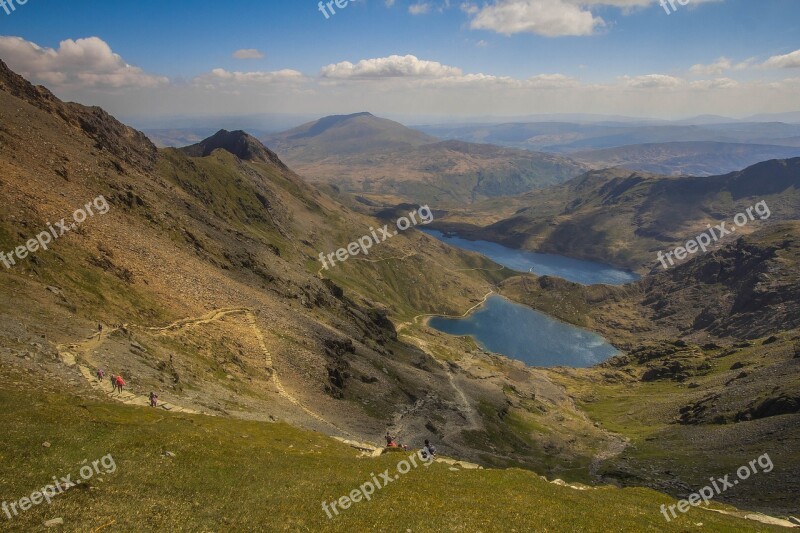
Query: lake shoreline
[(582, 271), (550, 342)]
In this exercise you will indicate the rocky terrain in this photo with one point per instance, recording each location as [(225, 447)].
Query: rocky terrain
[(202, 283), (709, 375), (626, 218), (205, 278)]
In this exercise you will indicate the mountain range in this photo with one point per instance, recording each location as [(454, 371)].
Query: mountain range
[(203, 282), (390, 163), (626, 218)]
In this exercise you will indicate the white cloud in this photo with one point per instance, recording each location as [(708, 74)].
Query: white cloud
[(791, 60), (248, 53), (420, 8), (469, 9), (717, 83), (220, 76), (550, 18), (718, 67), (653, 81), (395, 84), (394, 66), (82, 63), (552, 81)]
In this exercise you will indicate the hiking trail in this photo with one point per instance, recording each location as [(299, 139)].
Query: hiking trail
[(70, 354)]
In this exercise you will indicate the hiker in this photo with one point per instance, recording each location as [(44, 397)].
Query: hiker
[(113, 383), (100, 374), (120, 383), (429, 450), (153, 399), (390, 441)]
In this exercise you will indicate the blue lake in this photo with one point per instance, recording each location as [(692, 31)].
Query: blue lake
[(576, 270), (522, 333)]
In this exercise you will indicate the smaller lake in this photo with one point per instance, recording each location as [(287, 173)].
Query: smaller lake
[(522, 333), (576, 270)]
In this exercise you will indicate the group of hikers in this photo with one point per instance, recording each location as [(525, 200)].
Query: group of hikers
[(427, 450), (117, 384)]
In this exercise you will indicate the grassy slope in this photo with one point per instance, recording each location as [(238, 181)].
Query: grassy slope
[(674, 456), (449, 173), (232, 474), (713, 385)]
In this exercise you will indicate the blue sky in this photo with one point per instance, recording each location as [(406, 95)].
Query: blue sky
[(604, 56)]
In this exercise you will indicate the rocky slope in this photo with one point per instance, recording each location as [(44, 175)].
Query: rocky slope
[(205, 275), (709, 376)]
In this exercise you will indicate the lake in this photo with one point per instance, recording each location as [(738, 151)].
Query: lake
[(519, 332), (576, 270)]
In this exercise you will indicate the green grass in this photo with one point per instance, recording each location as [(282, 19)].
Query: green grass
[(233, 475)]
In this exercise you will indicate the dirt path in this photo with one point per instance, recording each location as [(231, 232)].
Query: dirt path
[(70, 358), (466, 408), (69, 355)]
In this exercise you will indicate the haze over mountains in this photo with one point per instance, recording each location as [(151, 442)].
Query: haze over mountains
[(385, 160), (565, 137), (700, 158), (701, 148)]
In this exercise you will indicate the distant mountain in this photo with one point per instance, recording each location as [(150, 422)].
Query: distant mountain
[(702, 158), (625, 217), (376, 157), (343, 135), (792, 118), (701, 120), (568, 137)]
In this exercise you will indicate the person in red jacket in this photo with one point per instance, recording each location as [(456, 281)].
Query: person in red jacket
[(119, 382)]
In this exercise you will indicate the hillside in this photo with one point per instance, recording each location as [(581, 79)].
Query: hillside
[(710, 373), (191, 472), (205, 272), (200, 281), (205, 275), (626, 218), (389, 163)]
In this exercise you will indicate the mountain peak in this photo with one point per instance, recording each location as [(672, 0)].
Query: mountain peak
[(345, 134), (239, 143)]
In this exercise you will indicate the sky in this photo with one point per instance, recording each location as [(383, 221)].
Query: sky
[(411, 58)]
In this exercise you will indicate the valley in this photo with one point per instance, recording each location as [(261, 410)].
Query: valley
[(527, 330)]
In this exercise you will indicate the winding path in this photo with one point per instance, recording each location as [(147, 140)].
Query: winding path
[(69, 355)]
